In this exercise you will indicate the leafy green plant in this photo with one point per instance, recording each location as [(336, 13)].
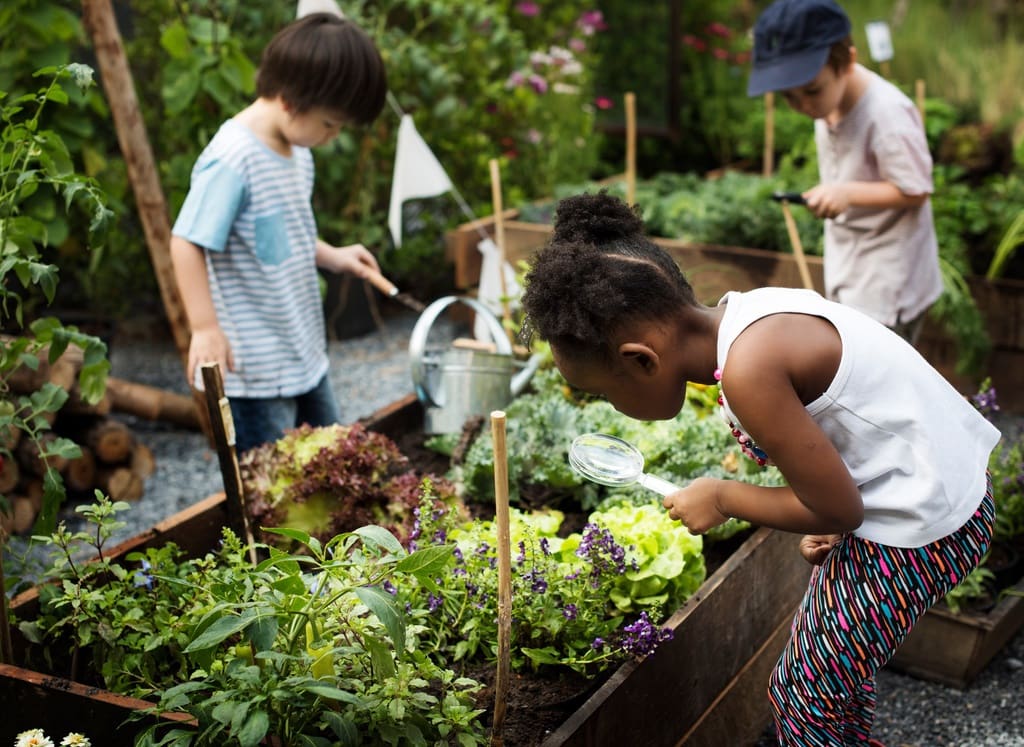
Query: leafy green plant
[(34, 160), (1008, 244), (332, 479), (570, 598), (302, 647), (977, 585), (542, 424)]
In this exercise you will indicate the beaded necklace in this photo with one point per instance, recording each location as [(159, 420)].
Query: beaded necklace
[(746, 443)]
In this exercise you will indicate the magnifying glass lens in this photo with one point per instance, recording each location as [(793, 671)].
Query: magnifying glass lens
[(605, 459)]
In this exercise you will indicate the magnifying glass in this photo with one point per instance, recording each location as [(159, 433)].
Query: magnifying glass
[(608, 460)]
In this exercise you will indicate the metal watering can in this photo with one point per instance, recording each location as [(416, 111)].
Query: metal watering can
[(461, 383)]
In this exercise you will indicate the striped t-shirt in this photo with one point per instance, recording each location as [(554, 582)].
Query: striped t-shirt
[(249, 208)]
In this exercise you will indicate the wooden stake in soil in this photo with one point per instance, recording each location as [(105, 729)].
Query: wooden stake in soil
[(501, 517), (119, 86), (499, 239), (630, 148), (919, 96), (223, 428), (798, 248), (768, 161)]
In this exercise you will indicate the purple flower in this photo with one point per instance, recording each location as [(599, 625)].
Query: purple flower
[(433, 603), (643, 636), (538, 83), (528, 8), (570, 612), (597, 644), (389, 587)]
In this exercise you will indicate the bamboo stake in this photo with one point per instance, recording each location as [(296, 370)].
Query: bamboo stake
[(116, 75), (223, 427), (798, 248), (499, 238), (919, 96), (501, 517), (768, 165), (885, 69), (630, 148)]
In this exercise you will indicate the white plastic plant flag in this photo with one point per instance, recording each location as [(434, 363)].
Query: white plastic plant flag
[(418, 173), (489, 292), (318, 6)]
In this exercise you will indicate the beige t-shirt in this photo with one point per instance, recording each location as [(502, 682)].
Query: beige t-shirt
[(883, 262)]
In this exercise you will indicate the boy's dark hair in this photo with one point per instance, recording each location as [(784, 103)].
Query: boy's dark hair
[(327, 61), (598, 271), (839, 55)]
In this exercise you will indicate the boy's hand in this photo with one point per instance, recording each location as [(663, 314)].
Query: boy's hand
[(209, 345), (827, 200), (816, 547), (696, 505), (355, 258)]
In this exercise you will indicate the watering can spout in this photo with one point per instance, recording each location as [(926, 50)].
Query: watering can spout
[(521, 379)]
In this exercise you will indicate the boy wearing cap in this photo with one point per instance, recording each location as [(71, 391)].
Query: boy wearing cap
[(881, 252)]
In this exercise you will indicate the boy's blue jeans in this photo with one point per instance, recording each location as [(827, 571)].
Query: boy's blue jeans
[(260, 420)]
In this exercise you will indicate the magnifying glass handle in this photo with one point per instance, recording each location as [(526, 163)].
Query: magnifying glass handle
[(662, 487)]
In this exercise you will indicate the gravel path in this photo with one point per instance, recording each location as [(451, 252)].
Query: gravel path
[(371, 371)]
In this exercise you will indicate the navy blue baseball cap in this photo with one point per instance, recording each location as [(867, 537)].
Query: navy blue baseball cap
[(792, 39)]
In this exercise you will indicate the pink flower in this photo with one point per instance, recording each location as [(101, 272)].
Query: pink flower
[(515, 80), (577, 45), (591, 21), (538, 83), (719, 30), (604, 103), (528, 8), (742, 58), (720, 54), (695, 43)]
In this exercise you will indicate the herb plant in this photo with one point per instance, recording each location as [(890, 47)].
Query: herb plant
[(308, 648), (35, 170)]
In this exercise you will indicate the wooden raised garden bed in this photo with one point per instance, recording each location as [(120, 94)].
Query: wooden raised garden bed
[(711, 677), (954, 648), (713, 270)]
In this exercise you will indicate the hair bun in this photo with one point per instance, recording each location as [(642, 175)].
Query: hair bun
[(595, 219)]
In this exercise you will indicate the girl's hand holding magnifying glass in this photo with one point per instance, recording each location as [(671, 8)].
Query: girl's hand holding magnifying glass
[(696, 505)]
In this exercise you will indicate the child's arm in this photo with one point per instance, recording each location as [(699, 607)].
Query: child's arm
[(354, 258), (831, 200), (775, 366), (208, 343)]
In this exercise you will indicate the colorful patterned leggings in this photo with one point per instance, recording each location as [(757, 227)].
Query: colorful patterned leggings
[(859, 606)]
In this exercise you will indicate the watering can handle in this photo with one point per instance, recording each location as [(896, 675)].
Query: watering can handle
[(418, 339)]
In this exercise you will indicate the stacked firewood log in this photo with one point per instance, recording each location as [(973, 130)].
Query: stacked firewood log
[(113, 460)]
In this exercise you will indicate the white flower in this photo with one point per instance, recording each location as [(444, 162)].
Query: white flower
[(33, 738), (75, 740)]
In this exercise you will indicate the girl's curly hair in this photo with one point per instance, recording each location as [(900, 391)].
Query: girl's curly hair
[(598, 271)]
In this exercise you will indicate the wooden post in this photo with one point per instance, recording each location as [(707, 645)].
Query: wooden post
[(116, 76), (501, 517), (630, 148), (499, 238), (768, 161), (798, 248), (919, 96), (223, 427)]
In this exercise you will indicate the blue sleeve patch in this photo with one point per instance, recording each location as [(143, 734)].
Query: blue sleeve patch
[(211, 206)]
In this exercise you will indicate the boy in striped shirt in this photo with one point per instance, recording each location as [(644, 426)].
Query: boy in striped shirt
[(244, 246)]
